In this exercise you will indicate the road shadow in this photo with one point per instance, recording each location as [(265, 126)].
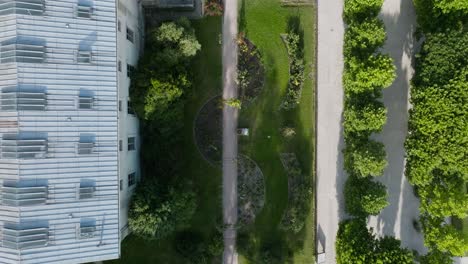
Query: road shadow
[(397, 218)]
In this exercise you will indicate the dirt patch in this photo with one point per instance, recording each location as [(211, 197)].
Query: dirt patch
[(209, 131)]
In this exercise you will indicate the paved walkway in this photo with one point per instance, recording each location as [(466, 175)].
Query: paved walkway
[(230, 116), (397, 218), (330, 175)]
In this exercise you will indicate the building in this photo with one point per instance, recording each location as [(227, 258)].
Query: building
[(68, 145)]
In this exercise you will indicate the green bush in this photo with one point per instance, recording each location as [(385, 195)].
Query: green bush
[(440, 15), (364, 118), (363, 39), (358, 10), (443, 237), (368, 75), (364, 157), (156, 212), (364, 197), (356, 244)]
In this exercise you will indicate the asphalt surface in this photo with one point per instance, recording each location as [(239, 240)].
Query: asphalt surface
[(230, 117), (397, 218), (330, 175)]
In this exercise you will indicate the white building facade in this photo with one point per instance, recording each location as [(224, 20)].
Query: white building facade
[(68, 146)]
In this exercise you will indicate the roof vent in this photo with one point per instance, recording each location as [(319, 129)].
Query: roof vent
[(25, 238), (15, 146), (22, 7), (16, 100), (22, 50), (23, 196)]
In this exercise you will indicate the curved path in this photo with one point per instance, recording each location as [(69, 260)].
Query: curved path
[(230, 116), (330, 175), (397, 218)]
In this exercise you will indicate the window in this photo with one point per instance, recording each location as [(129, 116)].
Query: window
[(120, 105), (86, 144), (130, 34), (119, 26), (119, 66), (17, 98), (129, 108), (120, 145), (131, 179), (130, 70), (85, 102), (131, 143), (121, 185), (24, 145)]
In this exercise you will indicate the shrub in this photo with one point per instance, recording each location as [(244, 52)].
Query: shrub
[(440, 15), (368, 75), (155, 213), (443, 237), (364, 157), (358, 10), (364, 197), (363, 39), (364, 118)]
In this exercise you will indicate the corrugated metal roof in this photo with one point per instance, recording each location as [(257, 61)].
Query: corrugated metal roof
[(42, 120)]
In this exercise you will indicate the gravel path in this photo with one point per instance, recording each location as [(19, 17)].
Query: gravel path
[(330, 175), (230, 117), (397, 218)]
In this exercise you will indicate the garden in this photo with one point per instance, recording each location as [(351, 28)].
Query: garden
[(276, 81), (175, 216)]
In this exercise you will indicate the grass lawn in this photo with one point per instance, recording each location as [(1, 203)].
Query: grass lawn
[(207, 179), (263, 21)]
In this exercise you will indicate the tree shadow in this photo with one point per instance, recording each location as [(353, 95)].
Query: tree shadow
[(242, 19)]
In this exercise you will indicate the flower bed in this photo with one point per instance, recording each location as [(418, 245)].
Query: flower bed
[(251, 190), (251, 73), (208, 130)]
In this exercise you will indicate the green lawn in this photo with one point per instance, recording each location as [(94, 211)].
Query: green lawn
[(263, 21), (207, 179)]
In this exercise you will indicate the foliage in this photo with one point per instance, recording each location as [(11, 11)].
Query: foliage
[(368, 75), (363, 39), (213, 7), (358, 10), (358, 245), (439, 15), (364, 157), (234, 103), (156, 212), (364, 197), (435, 256), (442, 236), (364, 118), (296, 72), (250, 71), (300, 192), (191, 245)]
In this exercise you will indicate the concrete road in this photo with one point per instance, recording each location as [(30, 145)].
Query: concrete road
[(230, 116), (397, 219), (330, 175)]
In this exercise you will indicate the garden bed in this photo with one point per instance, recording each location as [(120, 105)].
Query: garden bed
[(208, 131), (251, 73), (299, 194), (251, 190)]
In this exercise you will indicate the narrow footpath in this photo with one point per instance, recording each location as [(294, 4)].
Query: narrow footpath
[(397, 218), (230, 117), (330, 175)]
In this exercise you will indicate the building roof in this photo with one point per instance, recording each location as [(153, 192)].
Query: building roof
[(58, 131)]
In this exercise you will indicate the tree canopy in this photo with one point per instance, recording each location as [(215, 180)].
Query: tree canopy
[(364, 197), (365, 158), (363, 39)]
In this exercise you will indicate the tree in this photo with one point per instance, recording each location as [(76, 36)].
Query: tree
[(357, 245), (364, 157), (389, 251), (364, 197), (358, 10), (364, 118), (439, 15), (354, 242), (442, 236), (435, 256), (368, 75), (156, 212), (363, 39)]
